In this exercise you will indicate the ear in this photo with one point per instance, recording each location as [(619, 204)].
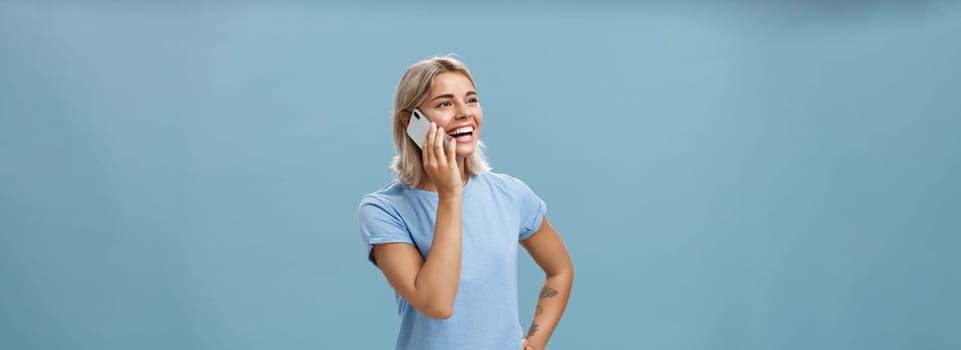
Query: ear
[(405, 118)]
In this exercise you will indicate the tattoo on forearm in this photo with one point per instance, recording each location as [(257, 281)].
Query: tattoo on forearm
[(540, 310), (533, 330), (548, 292)]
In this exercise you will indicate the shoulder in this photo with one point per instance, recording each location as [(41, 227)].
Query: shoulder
[(503, 182), (387, 198), (496, 177)]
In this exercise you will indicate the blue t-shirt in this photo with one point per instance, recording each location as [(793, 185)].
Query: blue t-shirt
[(498, 210)]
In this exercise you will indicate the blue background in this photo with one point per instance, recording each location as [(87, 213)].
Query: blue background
[(776, 175)]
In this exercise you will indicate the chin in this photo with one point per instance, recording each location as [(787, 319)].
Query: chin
[(464, 151)]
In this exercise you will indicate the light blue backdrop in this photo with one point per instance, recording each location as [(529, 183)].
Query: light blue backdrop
[(185, 175)]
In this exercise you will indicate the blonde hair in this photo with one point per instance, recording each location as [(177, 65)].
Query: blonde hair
[(412, 90)]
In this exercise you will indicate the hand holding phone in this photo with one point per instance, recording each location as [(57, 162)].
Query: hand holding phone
[(418, 127), (441, 168)]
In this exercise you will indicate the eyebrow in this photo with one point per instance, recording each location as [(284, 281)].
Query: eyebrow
[(469, 93)]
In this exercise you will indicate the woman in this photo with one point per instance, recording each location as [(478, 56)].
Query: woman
[(445, 232)]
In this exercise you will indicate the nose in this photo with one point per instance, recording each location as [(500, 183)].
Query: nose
[(463, 111)]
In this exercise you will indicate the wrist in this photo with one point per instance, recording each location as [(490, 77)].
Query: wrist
[(450, 195)]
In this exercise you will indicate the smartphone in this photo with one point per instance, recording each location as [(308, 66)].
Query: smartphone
[(418, 127)]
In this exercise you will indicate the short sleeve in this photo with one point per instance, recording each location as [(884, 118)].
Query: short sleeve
[(379, 224), (532, 210)]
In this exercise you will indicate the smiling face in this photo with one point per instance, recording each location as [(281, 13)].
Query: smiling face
[(452, 103)]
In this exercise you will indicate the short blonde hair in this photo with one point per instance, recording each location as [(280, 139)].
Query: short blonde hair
[(412, 90)]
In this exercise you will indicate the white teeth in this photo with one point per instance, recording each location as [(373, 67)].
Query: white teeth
[(461, 130)]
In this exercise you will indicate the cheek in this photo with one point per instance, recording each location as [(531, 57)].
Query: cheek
[(442, 119)]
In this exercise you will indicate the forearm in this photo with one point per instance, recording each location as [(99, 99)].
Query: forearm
[(439, 277), (550, 307)]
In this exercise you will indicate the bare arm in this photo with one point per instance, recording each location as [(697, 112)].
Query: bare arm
[(548, 251), (430, 285)]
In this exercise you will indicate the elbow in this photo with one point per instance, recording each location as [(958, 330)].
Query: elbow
[(438, 312), (561, 272), (435, 308), (435, 303), (441, 315)]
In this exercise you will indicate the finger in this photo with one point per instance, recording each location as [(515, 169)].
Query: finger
[(439, 145), (428, 142), (452, 152), (425, 153)]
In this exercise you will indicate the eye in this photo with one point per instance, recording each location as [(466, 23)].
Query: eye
[(444, 104), (472, 100)]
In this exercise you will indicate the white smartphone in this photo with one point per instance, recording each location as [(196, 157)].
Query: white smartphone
[(418, 127)]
